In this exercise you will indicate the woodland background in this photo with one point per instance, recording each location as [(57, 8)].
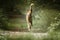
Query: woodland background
[(46, 16)]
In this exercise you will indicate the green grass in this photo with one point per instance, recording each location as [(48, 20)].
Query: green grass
[(22, 37), (51, 36)]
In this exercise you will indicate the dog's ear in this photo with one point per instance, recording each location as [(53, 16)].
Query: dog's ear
[(32, 4)]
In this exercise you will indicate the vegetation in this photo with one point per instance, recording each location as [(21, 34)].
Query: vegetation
[(51, 36), (46, 18)]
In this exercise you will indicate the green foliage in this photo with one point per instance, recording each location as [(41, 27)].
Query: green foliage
[(55, 25), (3, 21), (46, 17)]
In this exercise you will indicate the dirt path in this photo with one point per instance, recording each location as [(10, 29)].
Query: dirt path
[(17, 34)]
